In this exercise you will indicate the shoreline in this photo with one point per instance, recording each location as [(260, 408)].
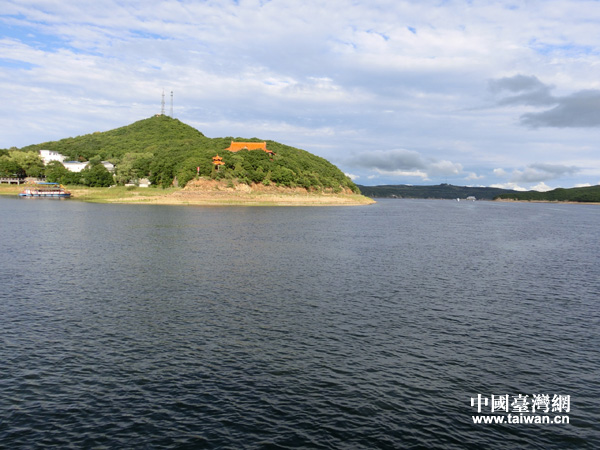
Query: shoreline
[(566, 202), (210, 193), (239, 195)]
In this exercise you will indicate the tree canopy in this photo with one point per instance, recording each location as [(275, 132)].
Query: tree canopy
[(579, 194)]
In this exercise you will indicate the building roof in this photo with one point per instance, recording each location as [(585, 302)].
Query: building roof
[(237, 146)]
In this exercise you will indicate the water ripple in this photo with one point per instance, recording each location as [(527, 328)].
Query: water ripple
[(328, 328)]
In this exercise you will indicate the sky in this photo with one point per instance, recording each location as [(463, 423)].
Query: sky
[(496, 93)]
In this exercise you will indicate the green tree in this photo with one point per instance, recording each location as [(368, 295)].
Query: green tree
[(10, 168), (96, 175), (55, 172), (19, 163), (283, 175), (133, 166), (31, 162)]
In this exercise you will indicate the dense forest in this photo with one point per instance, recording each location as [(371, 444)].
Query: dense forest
[(168, 152), (579, 194), (440, 191)]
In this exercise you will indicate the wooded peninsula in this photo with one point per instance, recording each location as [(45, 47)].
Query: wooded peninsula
[(589, 194), (186, 166)]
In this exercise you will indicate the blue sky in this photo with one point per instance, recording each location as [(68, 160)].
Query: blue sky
[(483, 93)]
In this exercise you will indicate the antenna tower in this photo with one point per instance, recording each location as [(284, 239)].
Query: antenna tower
[(162, 104), (171, 104)]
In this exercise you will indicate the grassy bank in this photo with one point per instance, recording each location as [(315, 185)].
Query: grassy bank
[(97, 195), (10, 189), (218, 195), (116, 194)]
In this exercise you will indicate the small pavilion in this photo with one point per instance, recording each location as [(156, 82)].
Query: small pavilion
[(217, 161)]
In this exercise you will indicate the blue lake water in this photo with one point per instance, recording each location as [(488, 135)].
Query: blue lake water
[(138, 326)]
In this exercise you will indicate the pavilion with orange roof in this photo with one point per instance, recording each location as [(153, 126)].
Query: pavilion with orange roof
[(217, 161), (237, 146)]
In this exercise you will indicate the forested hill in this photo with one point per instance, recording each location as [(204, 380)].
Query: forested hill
[(580, 194), (163, 149), (440, 191)]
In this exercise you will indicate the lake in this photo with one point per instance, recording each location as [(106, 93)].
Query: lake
[(381, 326)]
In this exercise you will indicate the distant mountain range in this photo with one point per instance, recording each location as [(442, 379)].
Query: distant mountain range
[(440, 191), (589, 194)]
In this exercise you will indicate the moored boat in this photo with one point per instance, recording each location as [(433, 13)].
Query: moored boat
[(53, 190)]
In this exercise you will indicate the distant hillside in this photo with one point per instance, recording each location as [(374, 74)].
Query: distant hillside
[(165, 149), (581, 194), (441, 191)]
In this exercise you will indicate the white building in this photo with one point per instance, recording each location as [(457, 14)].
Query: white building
[(109, 166), (50, 155), (141, 182), (75, 166)]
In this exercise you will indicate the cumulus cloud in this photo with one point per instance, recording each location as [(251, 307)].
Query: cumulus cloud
[(473, 176), (444, 168), (581, 109), (390, 160), (407, 163), (555, 170), (537, 173), (526, 90), (578, 110), (513, 186), (542, 172), (542, 187)]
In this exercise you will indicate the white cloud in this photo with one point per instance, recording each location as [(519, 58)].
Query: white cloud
[(390, 160), (542, 187), (474, 176), (513, 186), (405, 163), (443, 168), (404, 173), (579, 109), (542, 172)]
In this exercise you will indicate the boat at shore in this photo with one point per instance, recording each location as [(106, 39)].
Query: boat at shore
[(52, 190)]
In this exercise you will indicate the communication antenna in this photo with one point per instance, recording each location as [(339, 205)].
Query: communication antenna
[(171, 104), (162, 104)]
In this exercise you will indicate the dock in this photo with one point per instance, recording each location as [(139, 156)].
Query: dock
[(9, 180)]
